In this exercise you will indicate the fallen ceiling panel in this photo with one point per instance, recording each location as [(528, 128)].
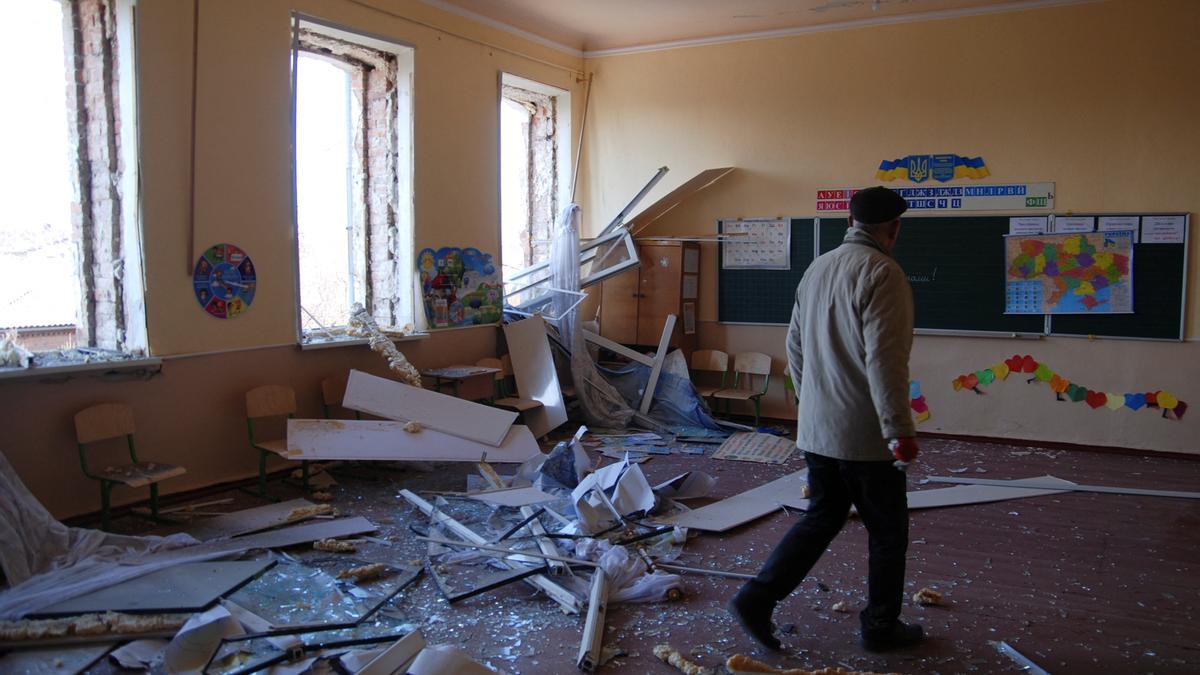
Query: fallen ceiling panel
[(189, 587), (256, 519), (382, 440), (745, 507), (455, 416)]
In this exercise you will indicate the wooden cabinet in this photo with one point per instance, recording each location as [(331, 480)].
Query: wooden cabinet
[(635, 303)]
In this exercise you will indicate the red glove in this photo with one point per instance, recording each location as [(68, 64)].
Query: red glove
[(904, 449)]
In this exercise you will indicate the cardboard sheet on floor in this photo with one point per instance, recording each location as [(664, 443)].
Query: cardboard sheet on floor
[(745, 507), (247, 521), (396, 401), (756, 447), (533, 369), (388, 441), (1042, 483), (189, 587)]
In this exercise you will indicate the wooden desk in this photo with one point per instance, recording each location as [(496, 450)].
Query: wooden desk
[(470, 382)]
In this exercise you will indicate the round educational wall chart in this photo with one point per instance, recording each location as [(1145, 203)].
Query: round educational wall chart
[(224, 281)]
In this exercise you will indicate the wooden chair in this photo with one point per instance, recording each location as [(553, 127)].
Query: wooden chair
[(113, 420), (273, 401), (748, 364), (513, 401), (333, 392), (710, 360)]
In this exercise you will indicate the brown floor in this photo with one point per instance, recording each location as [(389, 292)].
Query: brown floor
[(1078, 582)]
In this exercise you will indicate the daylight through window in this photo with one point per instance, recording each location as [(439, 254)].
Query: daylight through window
[(353, 163)]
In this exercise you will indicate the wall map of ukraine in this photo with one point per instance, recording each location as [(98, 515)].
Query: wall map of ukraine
[(1079, 272)]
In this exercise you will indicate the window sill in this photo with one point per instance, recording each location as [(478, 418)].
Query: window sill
[(100, 367), (354, 342)]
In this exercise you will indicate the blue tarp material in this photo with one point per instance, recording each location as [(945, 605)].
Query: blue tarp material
[(675, 400)]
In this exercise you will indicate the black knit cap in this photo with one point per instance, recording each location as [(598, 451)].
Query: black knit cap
[(876, 205)]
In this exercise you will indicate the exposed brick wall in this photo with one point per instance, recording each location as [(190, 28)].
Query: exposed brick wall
[(94, 136), (542, 170)]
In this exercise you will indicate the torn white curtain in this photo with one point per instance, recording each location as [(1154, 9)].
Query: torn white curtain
[(46, 562), (601, 404)]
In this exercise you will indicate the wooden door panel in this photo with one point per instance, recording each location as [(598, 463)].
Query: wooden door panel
[(619, 307)]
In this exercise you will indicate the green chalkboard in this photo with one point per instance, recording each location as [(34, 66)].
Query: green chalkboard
[(764, 296), (1159, 294), (955, 265)]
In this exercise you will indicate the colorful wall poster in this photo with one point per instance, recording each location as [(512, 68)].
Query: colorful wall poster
[(1087, 272), (460, 287), (224, 281)]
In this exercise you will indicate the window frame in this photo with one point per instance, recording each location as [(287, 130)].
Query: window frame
[(562, 165), (404, 290)]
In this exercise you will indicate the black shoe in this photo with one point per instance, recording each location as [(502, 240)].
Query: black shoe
[(755, 618), (900, 635)]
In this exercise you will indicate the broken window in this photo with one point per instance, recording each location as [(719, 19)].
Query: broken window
[(534, 168), (70, 240), (353, 164)]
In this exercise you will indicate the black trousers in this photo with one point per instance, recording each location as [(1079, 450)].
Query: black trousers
[(878, 491)]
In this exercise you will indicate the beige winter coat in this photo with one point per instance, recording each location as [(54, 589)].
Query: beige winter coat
[(848, 347)]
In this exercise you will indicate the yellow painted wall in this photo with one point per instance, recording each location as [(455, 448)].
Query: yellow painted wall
[(1099, 97), (193, 413), (243, 156)]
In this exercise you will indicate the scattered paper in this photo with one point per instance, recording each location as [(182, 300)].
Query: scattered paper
[(197, 641), (756, 447), (140, 653), (690, 485), (445, 659), (630, 492)]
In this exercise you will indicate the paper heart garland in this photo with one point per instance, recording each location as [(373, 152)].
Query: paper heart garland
[(1164, 400), (1135, 401), (1058, 385), (1167, 400)]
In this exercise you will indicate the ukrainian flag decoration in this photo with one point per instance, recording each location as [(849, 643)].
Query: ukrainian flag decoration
[(942, 168)]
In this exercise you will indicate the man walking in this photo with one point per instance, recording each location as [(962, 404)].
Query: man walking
[(848, 347)]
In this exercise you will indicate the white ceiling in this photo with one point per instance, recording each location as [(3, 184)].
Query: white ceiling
[(601, 26)]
